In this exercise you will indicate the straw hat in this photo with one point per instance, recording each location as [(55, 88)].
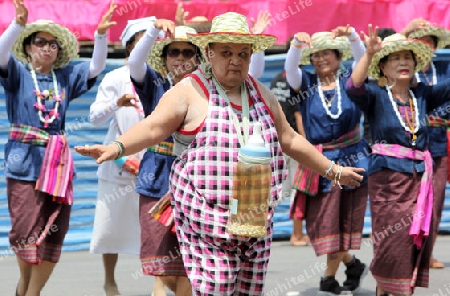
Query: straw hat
[(232, 27), (135, 26), (443, 35), (67, 40), (155, 59), (397, 42), (323, 41)]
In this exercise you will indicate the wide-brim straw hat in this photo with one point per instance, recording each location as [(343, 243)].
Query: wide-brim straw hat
[(443, 35), (323, 41), (67, 40), (232, 27), (397, 42), (156, 60), (135, 26)]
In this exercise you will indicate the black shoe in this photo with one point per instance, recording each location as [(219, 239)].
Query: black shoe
[(329, 286), (355, 275)]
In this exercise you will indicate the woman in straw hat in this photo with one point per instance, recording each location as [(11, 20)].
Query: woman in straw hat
[(434, 72), (331, 121), (400, 168), (198, 111), (116, 222), (39, 84)]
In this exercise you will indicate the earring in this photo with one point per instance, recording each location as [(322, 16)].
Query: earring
[(382, 81)]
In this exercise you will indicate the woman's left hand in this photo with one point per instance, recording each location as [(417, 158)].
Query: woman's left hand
[(350, 176), (105, 22), (261, 23)]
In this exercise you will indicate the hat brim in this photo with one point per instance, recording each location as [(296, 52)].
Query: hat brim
[(422, 51), (443, 35), (67, 40), (155, 59), (259, 42)]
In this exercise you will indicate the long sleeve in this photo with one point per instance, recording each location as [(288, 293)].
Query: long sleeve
[(137, 59), (257, 65), (293, 73), (105, 103), (7, 40), (99, 55), (358, 48)]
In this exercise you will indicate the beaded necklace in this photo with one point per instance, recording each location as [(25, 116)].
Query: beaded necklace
[(326, 104), (434, 78)]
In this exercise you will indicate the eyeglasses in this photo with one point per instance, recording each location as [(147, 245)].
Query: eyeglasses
[(324, 54), (175, 52), (41, 42)]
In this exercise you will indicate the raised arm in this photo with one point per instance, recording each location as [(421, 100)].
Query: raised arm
[(294, 54), (99, 55), (9, 37), (138, 56), (374, 44), (356, 44), (257, 60)]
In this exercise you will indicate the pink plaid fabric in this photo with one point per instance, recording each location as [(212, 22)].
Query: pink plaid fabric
[(420, 226), (218, 263)]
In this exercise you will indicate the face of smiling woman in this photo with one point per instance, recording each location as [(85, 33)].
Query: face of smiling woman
[(399, 66), (230, 63)]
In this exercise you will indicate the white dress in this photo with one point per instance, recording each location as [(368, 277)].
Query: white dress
[(116, 222)]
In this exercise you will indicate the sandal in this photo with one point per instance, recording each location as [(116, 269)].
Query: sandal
[(434, 263)]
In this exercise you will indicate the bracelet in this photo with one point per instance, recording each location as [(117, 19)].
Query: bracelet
[(329, 169), (121, 148), (337, 176)]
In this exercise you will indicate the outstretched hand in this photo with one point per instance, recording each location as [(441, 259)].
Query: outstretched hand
[(105, 22), (261, 23), (180, 15), (351, 176), (303, 37), (167, 26), (101, 153), (342, 31), (372, 41), (21, 12)]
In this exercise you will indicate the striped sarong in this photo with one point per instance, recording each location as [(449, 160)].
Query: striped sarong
[(435, 121), (420, 226), (55, 177), (165, 148)]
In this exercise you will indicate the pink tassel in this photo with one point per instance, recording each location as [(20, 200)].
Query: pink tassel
[(39, 106), (55, 113)]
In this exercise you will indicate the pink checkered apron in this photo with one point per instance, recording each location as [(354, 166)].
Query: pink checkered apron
[(216, 262)]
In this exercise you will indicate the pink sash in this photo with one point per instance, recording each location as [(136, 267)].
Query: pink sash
[(57, 171), (420, 227)]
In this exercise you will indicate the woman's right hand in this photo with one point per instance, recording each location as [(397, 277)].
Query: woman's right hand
[(101, 153), (21, 12), (372, 41), (167, 26), (303, 37)]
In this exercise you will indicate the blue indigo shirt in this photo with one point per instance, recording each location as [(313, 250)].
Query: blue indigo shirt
[(154, 170), (320, 128), (23, 161), (386, 127), (438, 135)]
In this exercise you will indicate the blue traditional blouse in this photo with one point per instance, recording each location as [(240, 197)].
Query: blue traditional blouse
[(320, 128), (386, 127), (23, 161), (154, 170), (438, 135)]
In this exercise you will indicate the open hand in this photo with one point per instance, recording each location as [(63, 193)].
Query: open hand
[(261, 23), (105, 22), (167, 26), (21, 12), (180, 15), (372, 41), (128, 100), (101, 153), (342, 31)]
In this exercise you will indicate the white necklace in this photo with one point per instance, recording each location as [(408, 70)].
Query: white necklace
[(400, 118), (53, 114), (339, 98), (433, 70)]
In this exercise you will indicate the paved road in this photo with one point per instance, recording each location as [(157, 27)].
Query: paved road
[(291, 269)]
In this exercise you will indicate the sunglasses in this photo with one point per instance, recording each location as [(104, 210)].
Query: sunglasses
[(175, 52), (41, 42)]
